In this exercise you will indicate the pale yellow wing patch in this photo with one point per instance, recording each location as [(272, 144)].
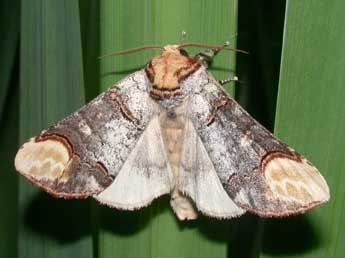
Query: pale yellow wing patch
[(43, 160), (297, 181)]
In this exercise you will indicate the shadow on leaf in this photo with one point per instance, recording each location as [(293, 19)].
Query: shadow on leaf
[(245, 238), (121, 222), (288, 236), (62, 220)]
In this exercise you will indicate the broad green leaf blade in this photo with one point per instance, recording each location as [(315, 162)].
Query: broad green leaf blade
[(310, 117), (155, 231), (9, 30), (51, 87)]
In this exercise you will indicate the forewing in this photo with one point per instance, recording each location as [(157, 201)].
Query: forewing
[(82, 154), (260, 173)]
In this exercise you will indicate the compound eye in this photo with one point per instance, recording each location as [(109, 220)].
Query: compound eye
[(183, 52)]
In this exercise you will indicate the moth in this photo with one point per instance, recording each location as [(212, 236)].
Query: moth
[(170, 128)]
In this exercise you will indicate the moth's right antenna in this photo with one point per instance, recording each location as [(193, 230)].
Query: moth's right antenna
[(214, 48)]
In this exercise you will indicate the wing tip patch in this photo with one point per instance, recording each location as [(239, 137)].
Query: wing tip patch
[(294, 179), (45, 161)]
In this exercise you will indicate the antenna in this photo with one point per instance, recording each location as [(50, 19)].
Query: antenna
[(213, 47), (129, 51)]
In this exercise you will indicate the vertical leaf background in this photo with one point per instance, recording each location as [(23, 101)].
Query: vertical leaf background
[(51, 86), (50, 48)]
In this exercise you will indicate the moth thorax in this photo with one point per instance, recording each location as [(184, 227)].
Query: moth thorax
[(167, 70)]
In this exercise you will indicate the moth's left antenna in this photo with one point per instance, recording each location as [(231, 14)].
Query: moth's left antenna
[(133, 50)]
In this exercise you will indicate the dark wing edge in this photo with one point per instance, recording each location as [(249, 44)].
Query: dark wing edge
[(260, 173), (82, 154)]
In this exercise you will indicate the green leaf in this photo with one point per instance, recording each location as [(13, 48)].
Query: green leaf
[(155, 231), (310, 117), (51, 86)]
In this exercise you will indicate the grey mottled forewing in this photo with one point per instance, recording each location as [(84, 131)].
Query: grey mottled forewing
[(260, 173), (82, 154)]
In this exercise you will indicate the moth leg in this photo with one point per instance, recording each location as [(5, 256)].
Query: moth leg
[(207, 55), (227, 80)]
